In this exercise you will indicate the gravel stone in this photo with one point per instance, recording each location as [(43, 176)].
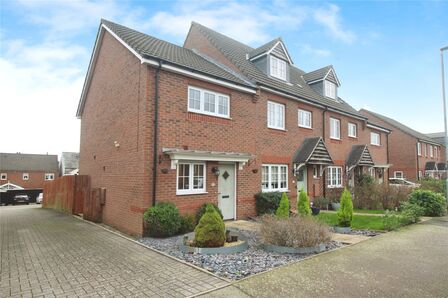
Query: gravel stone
[(233, 266)]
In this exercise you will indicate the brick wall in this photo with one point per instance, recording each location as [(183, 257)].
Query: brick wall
[(35, 179)]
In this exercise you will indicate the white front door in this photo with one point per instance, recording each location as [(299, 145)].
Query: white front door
[(302, 179), (226, 190)]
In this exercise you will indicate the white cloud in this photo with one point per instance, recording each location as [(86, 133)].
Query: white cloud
[(331, 20), (309, 50)]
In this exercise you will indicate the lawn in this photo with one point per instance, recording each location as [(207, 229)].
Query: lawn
[(361, 222), (369, 211)]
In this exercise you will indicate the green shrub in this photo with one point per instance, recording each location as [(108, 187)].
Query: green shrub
[(435, 185), (201, 210), (163, 220), (321, 203), (391, 221), (411, 212), (434, 204), (187, 223), (303, 204), (210, 231), (267, 202), (345, 213), (283, 208)]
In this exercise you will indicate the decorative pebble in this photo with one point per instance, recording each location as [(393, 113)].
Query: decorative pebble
[(232, 266)]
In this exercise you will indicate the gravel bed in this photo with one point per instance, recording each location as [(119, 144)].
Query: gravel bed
[(232, 266), (368, 233)]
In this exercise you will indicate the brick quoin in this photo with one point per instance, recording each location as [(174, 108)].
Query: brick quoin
[(119, 107)]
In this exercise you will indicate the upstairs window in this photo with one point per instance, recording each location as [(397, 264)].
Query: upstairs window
[(419, 149), (426, 152), (398, 174), (335, 129), (305, 119), (431, 153), (276, 115), (352, 130), (375, 139), (3, 176), (278, 68), (208, 102), (49, 176), (330, 89), (25, 176)]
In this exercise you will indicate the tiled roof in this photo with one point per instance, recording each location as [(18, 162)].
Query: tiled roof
[(313, 151), (264, 48), (359, 155), (438, 137), (236, 52), (151, 47), (28, 162), (403, 127), (317, 74)]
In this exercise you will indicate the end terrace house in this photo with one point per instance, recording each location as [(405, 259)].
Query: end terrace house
[(215, 121)]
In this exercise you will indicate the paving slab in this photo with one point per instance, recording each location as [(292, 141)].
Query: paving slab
[(410, 262), (47, 253)]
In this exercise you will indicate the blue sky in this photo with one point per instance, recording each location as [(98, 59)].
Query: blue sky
[(386, 54)]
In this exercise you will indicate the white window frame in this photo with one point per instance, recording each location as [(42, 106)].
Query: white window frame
[(25, 176), (270, 176), (218, 97), (419, 149), (425, 146), (350, 127), (304, 117), (49, 176), (190, 189), (3, 176), (373, 140), (275, 123), (336, 181), (398, 172), (431, 151), (315, 172), (330, 89), (335, 133), (278, 68)]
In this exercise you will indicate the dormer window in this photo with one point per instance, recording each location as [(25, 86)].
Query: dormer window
[(330, 89), (278, 68)]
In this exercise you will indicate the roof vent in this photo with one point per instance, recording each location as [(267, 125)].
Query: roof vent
[(247, 56)]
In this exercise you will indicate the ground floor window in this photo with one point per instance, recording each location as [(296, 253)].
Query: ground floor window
[(398, 174), (334, 177), (274, 177), (190, 178)]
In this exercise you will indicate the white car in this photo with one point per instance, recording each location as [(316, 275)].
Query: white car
[(402, 182), (40, 198)]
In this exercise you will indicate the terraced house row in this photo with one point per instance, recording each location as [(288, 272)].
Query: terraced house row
[(215, 121)]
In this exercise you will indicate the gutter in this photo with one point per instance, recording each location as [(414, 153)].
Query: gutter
[(323, 137), (418, 166), (387, 157), (156, 132)]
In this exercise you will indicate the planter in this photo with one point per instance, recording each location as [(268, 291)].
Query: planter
[(239, 247), (335, 206), (294, 250), (342, 230), (315, 211)]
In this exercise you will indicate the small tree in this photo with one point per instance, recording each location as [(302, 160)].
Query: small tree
[(210, 231), (283, 208), (345, 213), (303, 203)]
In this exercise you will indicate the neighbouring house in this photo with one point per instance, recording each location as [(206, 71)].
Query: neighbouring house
[(438, 137), (27, 171), (69, 163), (413, 155), (215, 121)]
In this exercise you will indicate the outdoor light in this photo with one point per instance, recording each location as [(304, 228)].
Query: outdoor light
[(215, 170)]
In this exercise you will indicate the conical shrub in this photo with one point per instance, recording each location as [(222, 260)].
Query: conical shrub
[(283, 208), (210, 231), (345, 213), (303, 203)]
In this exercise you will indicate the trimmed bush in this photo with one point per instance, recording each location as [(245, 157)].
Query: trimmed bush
[(267, 202), (283, 208), (298, 231), (434, 204), (411, 212), (201, 210), (163, 220), (210, 231), (187, 223), (303, 204), (379, 196), (345, 213), (391, 221)]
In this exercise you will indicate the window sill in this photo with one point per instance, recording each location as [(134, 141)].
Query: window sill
[(191, 193), (376, 145), (336, 186), (275, 190), (306, 127), (209, 114), (277, 129), (353, 137)]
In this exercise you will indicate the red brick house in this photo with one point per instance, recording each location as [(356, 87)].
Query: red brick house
[(412, 154), (214, 121), (27, 171)]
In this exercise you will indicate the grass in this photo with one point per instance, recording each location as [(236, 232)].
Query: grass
[(369, 211), (361, 222)]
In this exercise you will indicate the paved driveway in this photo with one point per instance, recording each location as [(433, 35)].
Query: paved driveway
[(46, 253), (412, 262)]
